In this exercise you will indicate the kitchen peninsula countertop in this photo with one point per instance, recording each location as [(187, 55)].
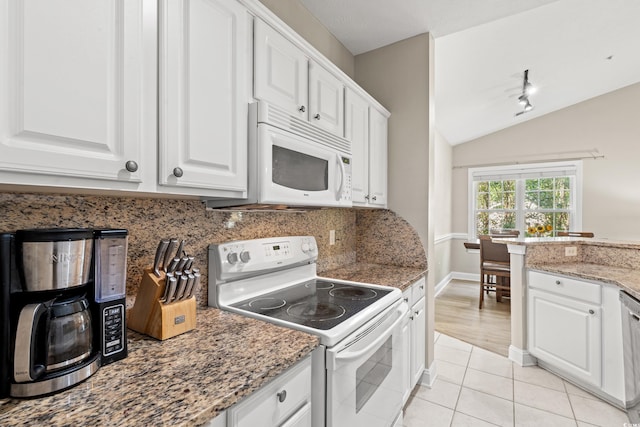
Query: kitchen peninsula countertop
[(184, 381), (377, 274)]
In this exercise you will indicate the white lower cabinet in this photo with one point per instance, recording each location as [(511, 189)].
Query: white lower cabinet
[(284, 402), (413, 334), (574, 328)]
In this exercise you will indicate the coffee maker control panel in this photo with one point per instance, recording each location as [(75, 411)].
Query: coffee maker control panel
[(113, 340)]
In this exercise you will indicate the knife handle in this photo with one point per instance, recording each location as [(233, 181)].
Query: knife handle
[(160, 252), (181, 287), (173, 282), (173, 265), (190, 282), (196, 285), (168, 256)]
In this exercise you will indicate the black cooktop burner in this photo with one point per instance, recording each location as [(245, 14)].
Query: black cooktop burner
[(316, 312), (267, 303), (356, 294), (318, 304)]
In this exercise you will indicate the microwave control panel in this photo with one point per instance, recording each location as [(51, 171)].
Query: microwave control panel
[(346, 186)]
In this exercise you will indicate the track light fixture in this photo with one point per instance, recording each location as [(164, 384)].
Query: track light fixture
[(527, 89)]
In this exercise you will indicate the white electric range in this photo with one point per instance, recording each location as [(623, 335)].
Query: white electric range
[(357, 369)]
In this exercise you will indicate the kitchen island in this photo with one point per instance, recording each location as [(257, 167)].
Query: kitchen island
[(184, 381)]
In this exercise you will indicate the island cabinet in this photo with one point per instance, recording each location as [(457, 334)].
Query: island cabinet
[(284, 402), (85, 82), (574, 328), (366, 128), (414, 336), (286, 77)]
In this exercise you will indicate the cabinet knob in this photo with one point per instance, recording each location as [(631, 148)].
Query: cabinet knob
[(557, 282), (406, 300), (374, 198), (366, 197), (317, 116), (282, 396), (411, 317), (131, 166), (592, 312), (177, 172), (421, 286), (302, 109)]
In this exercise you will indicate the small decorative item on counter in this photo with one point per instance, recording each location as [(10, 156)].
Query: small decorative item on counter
[(539, 230), (166, 302)]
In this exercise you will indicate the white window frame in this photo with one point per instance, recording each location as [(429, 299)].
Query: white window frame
[(519, 172)]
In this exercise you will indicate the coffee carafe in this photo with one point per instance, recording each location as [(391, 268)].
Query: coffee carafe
[(62, 306)]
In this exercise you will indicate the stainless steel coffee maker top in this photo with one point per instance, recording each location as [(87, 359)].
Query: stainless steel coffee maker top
[(53, 259)]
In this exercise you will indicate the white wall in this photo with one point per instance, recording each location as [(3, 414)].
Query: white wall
[(611, 188)]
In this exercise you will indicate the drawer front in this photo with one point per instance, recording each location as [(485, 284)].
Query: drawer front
[(561, 285), (418, 289), (269, 406)]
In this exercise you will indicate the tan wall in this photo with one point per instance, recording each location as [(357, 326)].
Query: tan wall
[(304, 23), (611, 194), (442, 192), (400, 76)]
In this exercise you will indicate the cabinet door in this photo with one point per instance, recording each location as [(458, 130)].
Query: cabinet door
[(326, 100), (407, 378), (566, 334), (281, 71), (377, 158), (356, 130), (418, 341), (203, 94), (73, 82)]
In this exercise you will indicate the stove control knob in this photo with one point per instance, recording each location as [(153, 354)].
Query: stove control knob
[(305, 247), (245, 256), (232, 257)]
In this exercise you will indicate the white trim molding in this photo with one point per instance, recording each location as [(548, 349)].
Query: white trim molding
[(521, 357), (429, 375), (457, 275)]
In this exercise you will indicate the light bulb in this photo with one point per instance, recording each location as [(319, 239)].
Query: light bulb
[(522, 99), (529, 89), (528, 106)]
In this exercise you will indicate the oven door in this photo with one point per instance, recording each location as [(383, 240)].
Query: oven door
[(298, 171), (364, 373)]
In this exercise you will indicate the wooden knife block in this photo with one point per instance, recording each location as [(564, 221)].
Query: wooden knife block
[(150, 317)]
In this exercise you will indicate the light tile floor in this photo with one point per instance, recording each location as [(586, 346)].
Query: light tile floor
[(476, 387)]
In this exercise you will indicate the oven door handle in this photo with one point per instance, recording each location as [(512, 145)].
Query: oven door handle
[(347, 356)]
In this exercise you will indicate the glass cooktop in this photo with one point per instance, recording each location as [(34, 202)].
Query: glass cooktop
[(318, 304)]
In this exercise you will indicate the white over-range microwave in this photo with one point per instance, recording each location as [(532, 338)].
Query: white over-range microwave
[(293, 163)]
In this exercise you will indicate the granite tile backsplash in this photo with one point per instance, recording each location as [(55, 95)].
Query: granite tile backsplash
[(150, 219)]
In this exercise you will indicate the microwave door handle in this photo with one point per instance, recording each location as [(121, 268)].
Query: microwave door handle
[(342, 177)]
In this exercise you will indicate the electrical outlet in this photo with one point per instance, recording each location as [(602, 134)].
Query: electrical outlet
[(570, 251), (332, 237)]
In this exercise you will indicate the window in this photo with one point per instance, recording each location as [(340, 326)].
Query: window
[(523, 196)]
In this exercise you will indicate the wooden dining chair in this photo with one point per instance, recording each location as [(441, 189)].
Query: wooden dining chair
[(494, 261), (575, 234)]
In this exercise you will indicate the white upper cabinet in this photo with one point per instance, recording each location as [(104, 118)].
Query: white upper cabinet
[(356, 129), (74, 87), (284, 76), (366, 128), (326, 100), (281, 71), (377, 158), (204, 52)]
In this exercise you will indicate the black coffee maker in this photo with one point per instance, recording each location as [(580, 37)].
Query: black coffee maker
[(62, 307)]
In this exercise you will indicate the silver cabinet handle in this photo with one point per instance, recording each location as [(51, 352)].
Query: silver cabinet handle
[(302, 109), (282, 396), (366, 197), (374, 198), (406, 299), (131, 166), (557, 282), (421, 286), (317, 116), (592, 312), (411, 317), (177, 172)]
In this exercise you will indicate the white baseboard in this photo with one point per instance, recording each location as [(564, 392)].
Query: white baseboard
[(429, 375), (441, 286), (522, 357)]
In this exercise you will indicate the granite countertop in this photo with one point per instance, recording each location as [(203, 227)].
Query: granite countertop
[(377, 274), (184, 381), (532, 241), (625, 278)]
